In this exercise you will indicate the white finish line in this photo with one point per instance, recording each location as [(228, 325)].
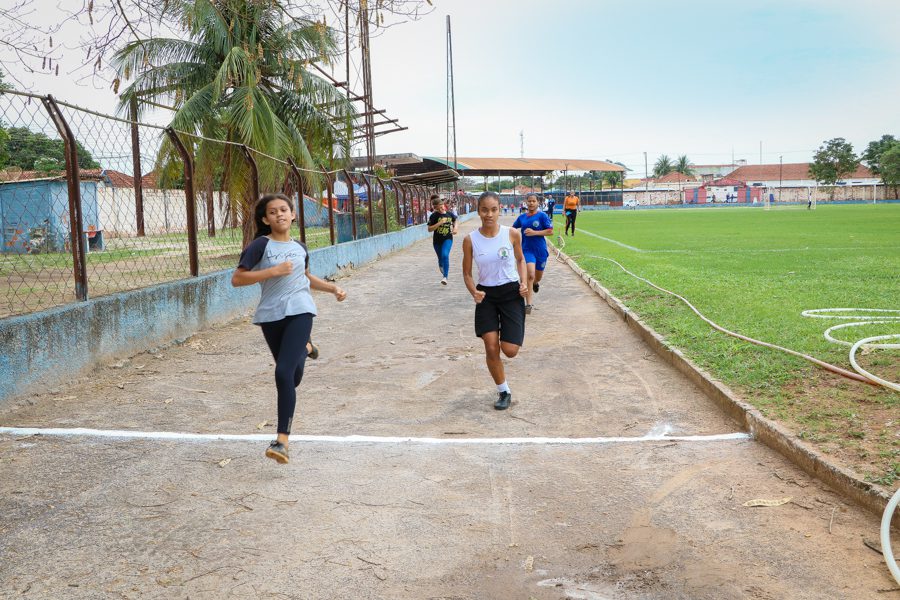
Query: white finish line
[(363, 439)]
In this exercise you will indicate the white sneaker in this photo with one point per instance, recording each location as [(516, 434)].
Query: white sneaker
[(444, 281)]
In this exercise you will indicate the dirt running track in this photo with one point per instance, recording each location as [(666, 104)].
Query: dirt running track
[(88, 517)]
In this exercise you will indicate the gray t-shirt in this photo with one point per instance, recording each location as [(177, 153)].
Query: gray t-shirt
[(281, 296)]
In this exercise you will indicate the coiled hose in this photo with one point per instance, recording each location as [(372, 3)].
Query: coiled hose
[(860, 318)]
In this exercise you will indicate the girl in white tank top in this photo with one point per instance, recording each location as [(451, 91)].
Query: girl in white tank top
[(494, 257), (500, 293)]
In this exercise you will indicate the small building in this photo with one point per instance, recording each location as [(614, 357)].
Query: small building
[(723, 190), (34, 213), (795, 175)]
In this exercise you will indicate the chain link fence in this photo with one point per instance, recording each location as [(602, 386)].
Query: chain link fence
[(94, 204)]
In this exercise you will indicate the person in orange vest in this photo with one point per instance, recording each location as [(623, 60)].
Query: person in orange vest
[(570, 209)]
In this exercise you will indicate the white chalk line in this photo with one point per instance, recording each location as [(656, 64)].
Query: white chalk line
[(732, 250), (364, 439)]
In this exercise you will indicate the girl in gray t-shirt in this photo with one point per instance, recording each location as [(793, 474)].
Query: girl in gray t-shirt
[(286, 308)]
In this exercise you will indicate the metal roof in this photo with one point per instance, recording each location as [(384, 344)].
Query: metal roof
[(491, 166), (430, 178)]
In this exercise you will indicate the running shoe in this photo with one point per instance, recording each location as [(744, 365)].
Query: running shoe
[(503, 400), (536, 287), (314, 352), (528, 308), (444, 281), (278, 452)]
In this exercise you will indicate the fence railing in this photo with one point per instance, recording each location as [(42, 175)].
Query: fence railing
[(93, 204)]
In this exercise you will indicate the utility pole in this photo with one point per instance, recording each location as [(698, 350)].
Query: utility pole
[(780, 175), (367, 84), (451, 107), (522, 143), (646, 175), (760, 151)]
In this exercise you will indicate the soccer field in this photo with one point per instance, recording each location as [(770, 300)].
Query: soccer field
[(754, 272)]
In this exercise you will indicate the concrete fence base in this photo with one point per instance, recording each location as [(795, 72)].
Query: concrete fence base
[(48, 347)]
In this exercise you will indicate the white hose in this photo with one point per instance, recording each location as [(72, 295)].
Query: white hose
[(861, 317), (886, 536), (883, 316)]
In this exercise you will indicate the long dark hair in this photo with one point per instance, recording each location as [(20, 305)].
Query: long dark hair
[(259, 211)]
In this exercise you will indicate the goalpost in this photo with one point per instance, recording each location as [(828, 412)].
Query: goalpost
[(766, 203)]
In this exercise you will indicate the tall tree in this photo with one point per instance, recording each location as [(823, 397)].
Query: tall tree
[(24, 147), (663, 166), (833, 161), (243, 75), (683, 165), (890, 167), (873, 152)]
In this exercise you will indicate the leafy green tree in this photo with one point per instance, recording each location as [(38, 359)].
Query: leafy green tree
[(243, 75), (663, 166), (613, 179), (683, 165), (890, 167), (46, 165), (3, 84), (873, 152), (24, 147), (833, 161)]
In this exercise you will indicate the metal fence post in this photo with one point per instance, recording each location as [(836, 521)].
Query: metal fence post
[(189, 199), (73, 179), (371, 202), (351, 194), (329, 190), (301, 204), (384, 200), (136, 165)]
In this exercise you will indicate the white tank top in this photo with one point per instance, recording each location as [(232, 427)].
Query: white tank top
[(494, 257)]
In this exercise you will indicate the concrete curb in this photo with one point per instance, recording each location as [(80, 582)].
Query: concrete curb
[(767, 431)]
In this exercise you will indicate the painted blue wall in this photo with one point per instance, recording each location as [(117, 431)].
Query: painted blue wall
[(51, 346), (28, 205)]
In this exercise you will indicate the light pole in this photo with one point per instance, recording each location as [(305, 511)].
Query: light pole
[(780, 175)]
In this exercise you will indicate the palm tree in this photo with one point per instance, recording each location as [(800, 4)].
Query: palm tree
[(242, 75), (662, 167), (683, 165)]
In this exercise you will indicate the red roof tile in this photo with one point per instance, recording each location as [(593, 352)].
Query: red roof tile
[(786, 172)]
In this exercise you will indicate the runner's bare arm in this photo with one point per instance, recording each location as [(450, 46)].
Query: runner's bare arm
[(467, 271), (320, 285), (243, 276), (516, 239)]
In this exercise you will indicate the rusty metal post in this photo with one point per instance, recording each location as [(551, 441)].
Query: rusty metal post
[(189, 199), (136, 165), (401, 199), (384, 200), (397, 203), (73, 180), (329, 190), (423, 199), (351, 194), (301, 204), (371, 202)]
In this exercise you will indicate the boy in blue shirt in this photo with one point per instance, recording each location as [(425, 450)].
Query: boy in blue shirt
[(535, 226)]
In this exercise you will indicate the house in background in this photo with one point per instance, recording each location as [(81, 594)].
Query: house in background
[(708, 173), (794, 175)]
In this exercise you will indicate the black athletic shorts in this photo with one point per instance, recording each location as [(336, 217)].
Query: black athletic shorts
[(503, 310)]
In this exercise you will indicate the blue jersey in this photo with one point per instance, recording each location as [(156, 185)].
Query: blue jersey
[(539, 221)]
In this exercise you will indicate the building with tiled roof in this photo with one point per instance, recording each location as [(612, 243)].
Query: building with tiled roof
[(794, 175)]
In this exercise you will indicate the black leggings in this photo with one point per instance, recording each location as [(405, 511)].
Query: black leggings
[(287, 340), (571, 215)]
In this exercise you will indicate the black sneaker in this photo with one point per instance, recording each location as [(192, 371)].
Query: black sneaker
[(503, 401), (536, 287), (278, 452), (314, 353)]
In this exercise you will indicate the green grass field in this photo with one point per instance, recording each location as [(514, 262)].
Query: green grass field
[(755, 271)]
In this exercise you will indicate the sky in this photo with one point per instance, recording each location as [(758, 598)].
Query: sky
[(607, 79)]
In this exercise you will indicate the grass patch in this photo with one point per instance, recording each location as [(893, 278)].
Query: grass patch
[(755, 271)]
